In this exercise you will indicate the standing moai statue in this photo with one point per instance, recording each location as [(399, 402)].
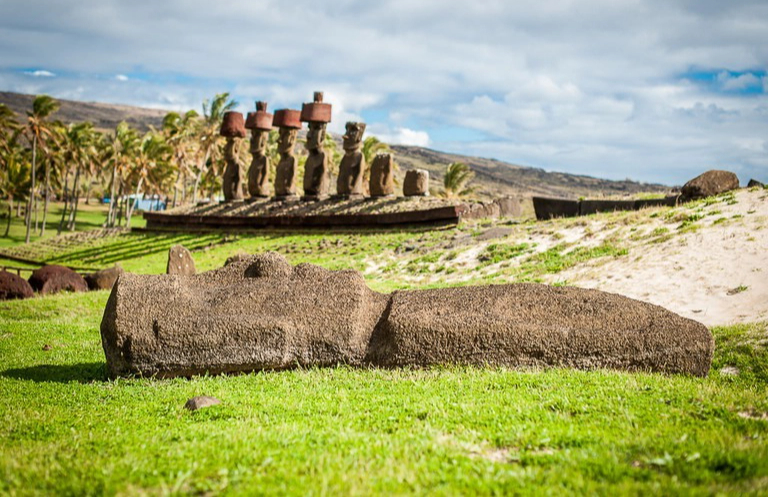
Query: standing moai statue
[(416, 183), (232, 127), (260, 124), (317, 176), (382, 182), (352, 167), (285, 177)]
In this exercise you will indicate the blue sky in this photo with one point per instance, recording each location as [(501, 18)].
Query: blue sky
[(651, 90)]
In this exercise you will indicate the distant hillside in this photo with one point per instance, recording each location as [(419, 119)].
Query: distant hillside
[(103, 116), (493, 177)]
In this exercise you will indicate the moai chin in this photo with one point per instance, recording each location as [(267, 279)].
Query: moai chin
[(352, 167), (287, 120), (316, 169), (232, 127), (382, 182), (260, 124)]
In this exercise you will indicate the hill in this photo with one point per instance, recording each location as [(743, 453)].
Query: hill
[(493, 177)]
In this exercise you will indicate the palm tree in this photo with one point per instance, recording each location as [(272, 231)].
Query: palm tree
[(180, 132), (209, 139), (457, 177), (125, 143), (151, 161), (79, 150), (38, 129), (8, 127), (54, 154), (14, 175), (373, 146)]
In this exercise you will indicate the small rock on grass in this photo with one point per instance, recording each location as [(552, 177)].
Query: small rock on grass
[(201, 401)]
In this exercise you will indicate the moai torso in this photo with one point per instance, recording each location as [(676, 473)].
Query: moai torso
[(233, 178), (285, 177), (316, 170), (352, 167), (260, 124), (382, 176), (232, 127)]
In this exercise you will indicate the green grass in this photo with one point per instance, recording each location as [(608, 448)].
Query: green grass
[(88, 217), (67, 430)]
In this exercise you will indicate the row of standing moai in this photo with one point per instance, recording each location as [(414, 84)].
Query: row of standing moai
[(317, 178)]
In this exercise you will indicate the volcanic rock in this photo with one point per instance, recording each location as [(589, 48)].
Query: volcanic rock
[(753, 182), (104, 279), (54, 279), (710, 183), (200, 402), (262, 313), (180, 261), (13, 286), (416, 183)]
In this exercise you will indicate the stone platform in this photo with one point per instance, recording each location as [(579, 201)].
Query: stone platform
[(332, 212)]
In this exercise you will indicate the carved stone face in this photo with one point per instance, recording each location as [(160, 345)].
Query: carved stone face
[(353, 138), (259, 141), (315, 136), (287, 140)]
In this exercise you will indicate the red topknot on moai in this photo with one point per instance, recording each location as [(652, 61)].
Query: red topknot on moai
[(316, 169), (288, 120), (260, 124), (232, 127)]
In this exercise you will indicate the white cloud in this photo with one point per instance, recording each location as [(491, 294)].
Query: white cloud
[(121, 77), (40, 73), (741, 82), (593, 87), (399, 135)]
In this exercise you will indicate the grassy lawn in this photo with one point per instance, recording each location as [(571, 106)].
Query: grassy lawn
[(88, 217), (67, 430)]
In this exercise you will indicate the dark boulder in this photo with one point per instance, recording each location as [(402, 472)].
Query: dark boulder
[(753, 182), (53, 279), (13, 286), (104, 279), (711, 183)]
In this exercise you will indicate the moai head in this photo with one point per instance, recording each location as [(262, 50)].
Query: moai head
[(288, 122), (260, 124), (232, 125), (353, 138), (318, 115)]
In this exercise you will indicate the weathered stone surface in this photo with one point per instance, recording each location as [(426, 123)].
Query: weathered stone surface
[(200, 402), (352, 168), (285, 175), (180, 261), (509, 207), (256, 314), (382, 181), (263, 313), (232, 181), (54, 279), (710, 183), (753, 182), (416, 183), (232, 125), (104, 279), (538, 325), (258, 173), (317, 173), (587, 207), (13, 286)]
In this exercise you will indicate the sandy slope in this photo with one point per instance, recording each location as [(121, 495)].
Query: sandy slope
[(717, 274)]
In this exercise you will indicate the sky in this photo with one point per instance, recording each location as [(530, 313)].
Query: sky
[(651, 90)]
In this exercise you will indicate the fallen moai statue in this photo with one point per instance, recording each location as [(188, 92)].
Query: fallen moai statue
[(262, 313)]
